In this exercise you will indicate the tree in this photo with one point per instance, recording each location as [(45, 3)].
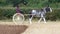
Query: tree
[(17, 2), (54, 1)]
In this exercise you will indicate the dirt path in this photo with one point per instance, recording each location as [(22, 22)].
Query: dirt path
[(35, 28), (42, 28)]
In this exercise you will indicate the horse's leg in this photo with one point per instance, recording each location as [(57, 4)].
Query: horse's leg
[(39, 20), (44, 19), (30, 19)]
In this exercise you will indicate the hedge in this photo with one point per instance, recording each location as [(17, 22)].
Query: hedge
[(8, 13)]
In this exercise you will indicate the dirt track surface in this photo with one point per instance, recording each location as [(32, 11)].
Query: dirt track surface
[(34, 28), (44, 28), (12, 29)]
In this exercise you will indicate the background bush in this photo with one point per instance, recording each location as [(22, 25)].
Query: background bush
[(31, 3), (8, 13)]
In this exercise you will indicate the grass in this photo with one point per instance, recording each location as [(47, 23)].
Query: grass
[(23, 7), (26, 22)]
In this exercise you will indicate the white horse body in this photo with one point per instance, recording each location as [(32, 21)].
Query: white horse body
[(39, 13), (36, 13)]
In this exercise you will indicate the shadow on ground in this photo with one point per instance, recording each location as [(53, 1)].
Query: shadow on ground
[(12, 29)]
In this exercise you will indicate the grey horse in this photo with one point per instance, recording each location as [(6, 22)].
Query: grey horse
[(39, 13)]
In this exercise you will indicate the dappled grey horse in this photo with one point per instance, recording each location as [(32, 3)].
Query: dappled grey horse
[(39, 13)]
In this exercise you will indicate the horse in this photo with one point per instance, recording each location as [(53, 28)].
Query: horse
[(39, 13)]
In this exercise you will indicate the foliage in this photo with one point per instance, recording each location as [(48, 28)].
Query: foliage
[(5, 14), (54, 1), (31, 3), (17, 2), (8, 13)]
